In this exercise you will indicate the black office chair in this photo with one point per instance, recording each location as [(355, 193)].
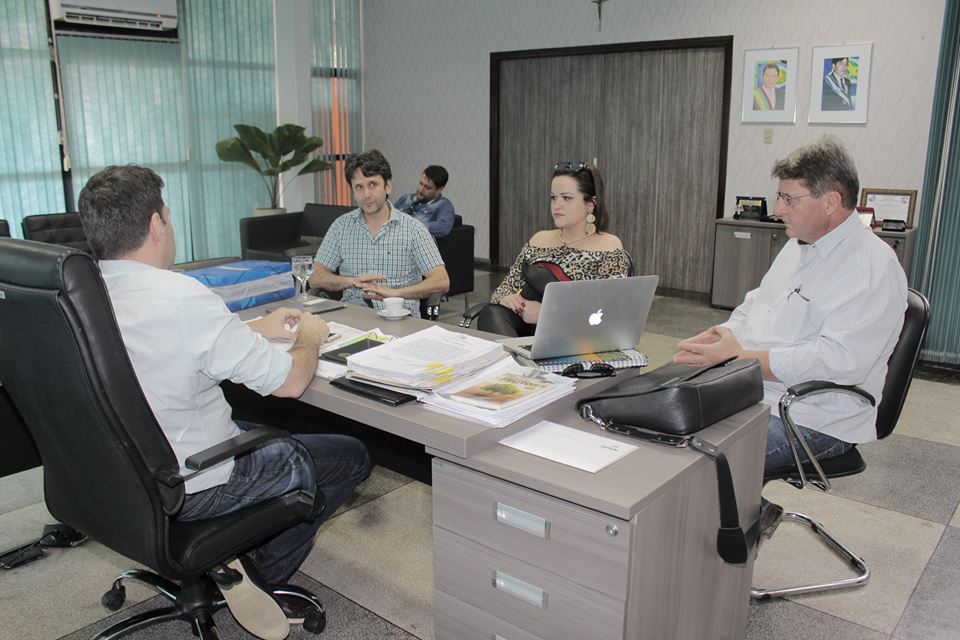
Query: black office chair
[(108, 469), (900, 368), (4, 229), (56, 228)]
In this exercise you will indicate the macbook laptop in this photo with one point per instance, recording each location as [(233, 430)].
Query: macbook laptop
[(588, 316)]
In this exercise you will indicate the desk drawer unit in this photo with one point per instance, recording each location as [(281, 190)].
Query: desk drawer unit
[(522, 594), (456, 619), (521, 558)]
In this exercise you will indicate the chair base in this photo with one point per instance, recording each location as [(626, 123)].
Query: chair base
[(195, 601), (855, 561)]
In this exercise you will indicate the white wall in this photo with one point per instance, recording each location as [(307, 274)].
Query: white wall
[(427, 82)]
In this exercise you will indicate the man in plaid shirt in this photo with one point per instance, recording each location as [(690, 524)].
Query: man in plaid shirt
[(376, 252)]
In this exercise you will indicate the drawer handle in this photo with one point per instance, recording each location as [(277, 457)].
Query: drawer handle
[(742, 235), (520, 589), (519, 519)]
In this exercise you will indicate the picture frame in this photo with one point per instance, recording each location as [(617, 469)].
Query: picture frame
[(770, 85), (840, 84), (890, 204)]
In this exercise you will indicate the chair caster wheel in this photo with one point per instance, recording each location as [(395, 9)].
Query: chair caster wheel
[(315, 622), (114, 598)]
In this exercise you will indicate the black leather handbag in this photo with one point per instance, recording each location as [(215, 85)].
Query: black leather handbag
[(668, 405), (678, 399)]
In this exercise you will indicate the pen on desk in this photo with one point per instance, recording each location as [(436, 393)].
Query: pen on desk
[(333, 308)]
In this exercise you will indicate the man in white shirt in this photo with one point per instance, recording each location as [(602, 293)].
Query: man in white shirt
[(182, 342), (830, 308)]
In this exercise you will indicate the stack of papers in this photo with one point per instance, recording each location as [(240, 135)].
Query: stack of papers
[(426, 359), (499, 394)]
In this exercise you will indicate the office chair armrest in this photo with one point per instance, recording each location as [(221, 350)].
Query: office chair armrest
[(797, 393), (814, 387), (233, 447), (471, 314), (431, 306)]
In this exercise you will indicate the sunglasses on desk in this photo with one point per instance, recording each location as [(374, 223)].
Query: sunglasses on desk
[(596, 370)]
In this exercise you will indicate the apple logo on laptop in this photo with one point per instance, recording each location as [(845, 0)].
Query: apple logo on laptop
[(595, 318)]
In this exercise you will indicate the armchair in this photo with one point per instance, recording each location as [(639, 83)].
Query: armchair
[(456, 249), (108, 469), (900, 368), (65, 229), (283, 235)]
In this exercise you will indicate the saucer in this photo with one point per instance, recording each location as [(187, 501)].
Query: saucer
[(389, 316)]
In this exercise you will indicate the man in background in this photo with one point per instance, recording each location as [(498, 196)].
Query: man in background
[(376, 252), (428, 204)]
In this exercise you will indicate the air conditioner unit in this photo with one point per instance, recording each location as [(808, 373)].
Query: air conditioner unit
[(152, 15)]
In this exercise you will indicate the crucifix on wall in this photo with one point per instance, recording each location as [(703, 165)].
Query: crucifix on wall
[(599, 4)]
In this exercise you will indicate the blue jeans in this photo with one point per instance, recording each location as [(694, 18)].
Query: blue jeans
[(778, 449), (332, 463)]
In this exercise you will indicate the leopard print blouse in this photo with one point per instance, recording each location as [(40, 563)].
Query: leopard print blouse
[(576, 263)]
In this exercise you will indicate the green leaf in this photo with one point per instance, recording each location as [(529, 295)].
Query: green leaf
[(315, 166), (288, 138), (233, 150), (255, 139)]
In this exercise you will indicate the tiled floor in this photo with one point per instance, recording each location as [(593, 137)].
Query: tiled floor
[(372, 564)]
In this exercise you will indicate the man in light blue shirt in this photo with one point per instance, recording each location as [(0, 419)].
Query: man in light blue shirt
[(428, 204)]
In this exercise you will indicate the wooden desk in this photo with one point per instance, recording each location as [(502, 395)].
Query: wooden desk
[(527, 549)]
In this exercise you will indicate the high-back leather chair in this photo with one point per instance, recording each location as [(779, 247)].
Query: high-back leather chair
[(56, 228), (108, 468), (900, 368)]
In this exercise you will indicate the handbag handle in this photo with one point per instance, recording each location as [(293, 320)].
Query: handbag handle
[(655, 386)]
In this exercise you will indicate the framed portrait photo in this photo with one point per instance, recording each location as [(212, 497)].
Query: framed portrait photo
[(840, 84), (769, 85)]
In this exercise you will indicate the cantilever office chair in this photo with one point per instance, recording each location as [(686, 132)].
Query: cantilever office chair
[(108, 470), (900, 369)]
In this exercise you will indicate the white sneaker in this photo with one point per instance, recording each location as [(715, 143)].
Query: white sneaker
[(253, 608)]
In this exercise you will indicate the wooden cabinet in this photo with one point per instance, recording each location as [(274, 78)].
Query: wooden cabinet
[(744, 250)]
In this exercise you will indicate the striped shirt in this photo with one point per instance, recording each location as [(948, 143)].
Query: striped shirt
[(831, 310), (403, 251)]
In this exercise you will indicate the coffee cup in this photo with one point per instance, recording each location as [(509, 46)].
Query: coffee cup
[(393, 306)]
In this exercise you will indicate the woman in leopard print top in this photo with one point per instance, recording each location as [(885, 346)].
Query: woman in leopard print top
[(579, 245)]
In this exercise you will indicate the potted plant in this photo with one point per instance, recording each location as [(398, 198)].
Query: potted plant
[(287, 147)]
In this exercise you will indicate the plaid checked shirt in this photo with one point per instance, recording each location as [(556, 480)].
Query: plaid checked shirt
[(402, 251)]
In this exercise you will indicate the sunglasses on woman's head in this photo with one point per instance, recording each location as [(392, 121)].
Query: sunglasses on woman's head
[(570, 166), (596, 370)]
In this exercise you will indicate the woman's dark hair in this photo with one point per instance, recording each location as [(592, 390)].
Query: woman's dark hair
[(590, 184)]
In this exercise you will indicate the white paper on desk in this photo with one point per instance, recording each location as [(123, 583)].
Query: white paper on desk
[(571, 447)]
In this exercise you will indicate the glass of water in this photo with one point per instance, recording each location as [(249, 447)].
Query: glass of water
[(302, 268)]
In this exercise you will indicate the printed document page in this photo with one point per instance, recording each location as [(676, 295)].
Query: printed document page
[(568, 446)]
